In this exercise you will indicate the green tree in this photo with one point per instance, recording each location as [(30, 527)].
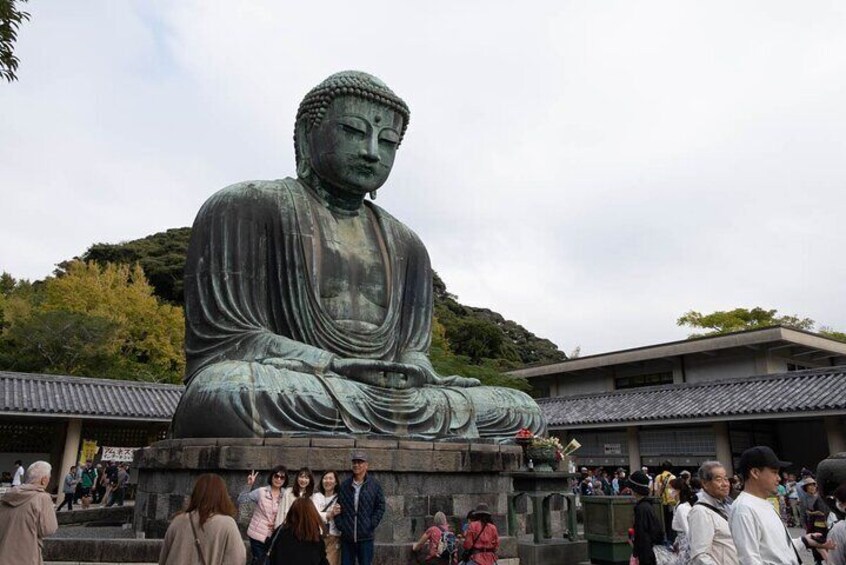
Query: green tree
[(11, 17), (67, 343), (97, 321), (16, 299), (740, 319), (161, 255), (832, 334), (448, 363), (478, 339)]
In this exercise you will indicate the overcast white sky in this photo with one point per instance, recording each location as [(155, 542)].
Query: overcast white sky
[(591, 170)]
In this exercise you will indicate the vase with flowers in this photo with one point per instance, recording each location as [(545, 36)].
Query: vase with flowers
[(544, 452)]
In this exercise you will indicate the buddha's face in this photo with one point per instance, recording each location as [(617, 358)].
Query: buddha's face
[(352, 150)]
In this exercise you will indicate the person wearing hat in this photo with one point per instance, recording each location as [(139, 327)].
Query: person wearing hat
[(816, 512), (362, 507), (647, 528), (758, 532), (481, 539)]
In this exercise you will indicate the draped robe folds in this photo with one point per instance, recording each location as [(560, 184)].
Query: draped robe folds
[(252, 293)]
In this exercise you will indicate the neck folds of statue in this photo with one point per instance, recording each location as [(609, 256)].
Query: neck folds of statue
[(339, 201)]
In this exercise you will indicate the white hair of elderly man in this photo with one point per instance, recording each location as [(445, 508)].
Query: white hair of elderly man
[(36, 472)]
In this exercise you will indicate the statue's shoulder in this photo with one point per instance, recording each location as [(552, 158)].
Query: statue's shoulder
[(252, 196), (399, 229), (252, 190)]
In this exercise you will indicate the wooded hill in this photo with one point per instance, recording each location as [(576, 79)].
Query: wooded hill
[(470, 341)]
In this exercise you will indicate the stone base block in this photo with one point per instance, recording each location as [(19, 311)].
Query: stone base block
[(418, 479), (116, 515), (102, 550), (552, 552)]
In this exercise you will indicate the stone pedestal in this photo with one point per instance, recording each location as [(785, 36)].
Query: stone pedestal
[(550, 519), (418, 478), (607, 523)]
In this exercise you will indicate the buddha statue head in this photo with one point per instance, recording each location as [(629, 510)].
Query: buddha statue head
[(347, 133)]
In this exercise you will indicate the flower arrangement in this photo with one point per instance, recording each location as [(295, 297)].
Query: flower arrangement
[(529, 440), (547, 443)]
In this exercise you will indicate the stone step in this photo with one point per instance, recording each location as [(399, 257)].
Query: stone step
[(89, 550), (101, 514)]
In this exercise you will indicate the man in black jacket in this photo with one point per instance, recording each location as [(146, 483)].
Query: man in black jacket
[(362, 507)]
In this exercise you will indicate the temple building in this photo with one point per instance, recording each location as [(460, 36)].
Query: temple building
[(698, 399), (50, 417)]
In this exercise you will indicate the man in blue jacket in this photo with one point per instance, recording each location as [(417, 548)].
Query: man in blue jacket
[(362, 507)]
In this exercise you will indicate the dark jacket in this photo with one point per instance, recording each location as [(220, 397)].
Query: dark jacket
[(288, 550), (359, 524), (647, 532)]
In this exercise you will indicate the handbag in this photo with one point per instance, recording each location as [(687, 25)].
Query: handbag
[(197, 540), (664, 555)]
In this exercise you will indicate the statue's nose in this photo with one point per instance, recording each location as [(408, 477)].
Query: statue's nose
[(371, 151)]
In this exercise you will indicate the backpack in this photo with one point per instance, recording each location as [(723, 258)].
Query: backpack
[(448, 546)]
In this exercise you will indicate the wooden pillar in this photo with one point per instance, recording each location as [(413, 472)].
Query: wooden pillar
[(633, 442), (71, 450), (723, 443), (57, 446), (835, 435)]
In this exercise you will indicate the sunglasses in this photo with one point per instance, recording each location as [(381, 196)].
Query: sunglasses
[(279, 476)]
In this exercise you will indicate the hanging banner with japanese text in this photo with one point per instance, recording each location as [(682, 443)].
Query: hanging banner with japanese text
[(119, 454)]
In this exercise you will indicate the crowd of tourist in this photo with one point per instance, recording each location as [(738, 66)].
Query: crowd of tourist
[(325, 522), (104, 483), (709, 518), (714, 519)]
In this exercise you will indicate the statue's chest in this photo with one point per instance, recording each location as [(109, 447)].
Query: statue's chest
[(352, 276)]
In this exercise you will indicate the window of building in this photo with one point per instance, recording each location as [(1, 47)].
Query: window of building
[(797, 367), (651, 379), (698, 441)]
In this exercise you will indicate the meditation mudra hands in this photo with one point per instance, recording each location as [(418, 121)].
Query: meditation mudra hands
[(386, 374)]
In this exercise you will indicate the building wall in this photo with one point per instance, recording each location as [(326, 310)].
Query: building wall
[(608, 448), (696, 368), (579, 383), (700, 369)]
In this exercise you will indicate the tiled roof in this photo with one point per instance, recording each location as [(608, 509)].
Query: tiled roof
[(811, 391), (60, 395)]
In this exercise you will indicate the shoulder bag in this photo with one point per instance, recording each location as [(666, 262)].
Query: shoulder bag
[(197, 540), (468, 553)]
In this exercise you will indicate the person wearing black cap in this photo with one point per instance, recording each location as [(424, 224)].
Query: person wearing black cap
[(759, 534), (647, 528), (362, 507)]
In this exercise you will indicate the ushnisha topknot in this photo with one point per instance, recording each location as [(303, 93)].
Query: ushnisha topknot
[(347, 83)]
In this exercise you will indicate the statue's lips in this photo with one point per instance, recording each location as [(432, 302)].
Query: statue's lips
[(364, 170)]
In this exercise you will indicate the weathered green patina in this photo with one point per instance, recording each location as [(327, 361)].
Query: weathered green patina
[(309, 309)]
